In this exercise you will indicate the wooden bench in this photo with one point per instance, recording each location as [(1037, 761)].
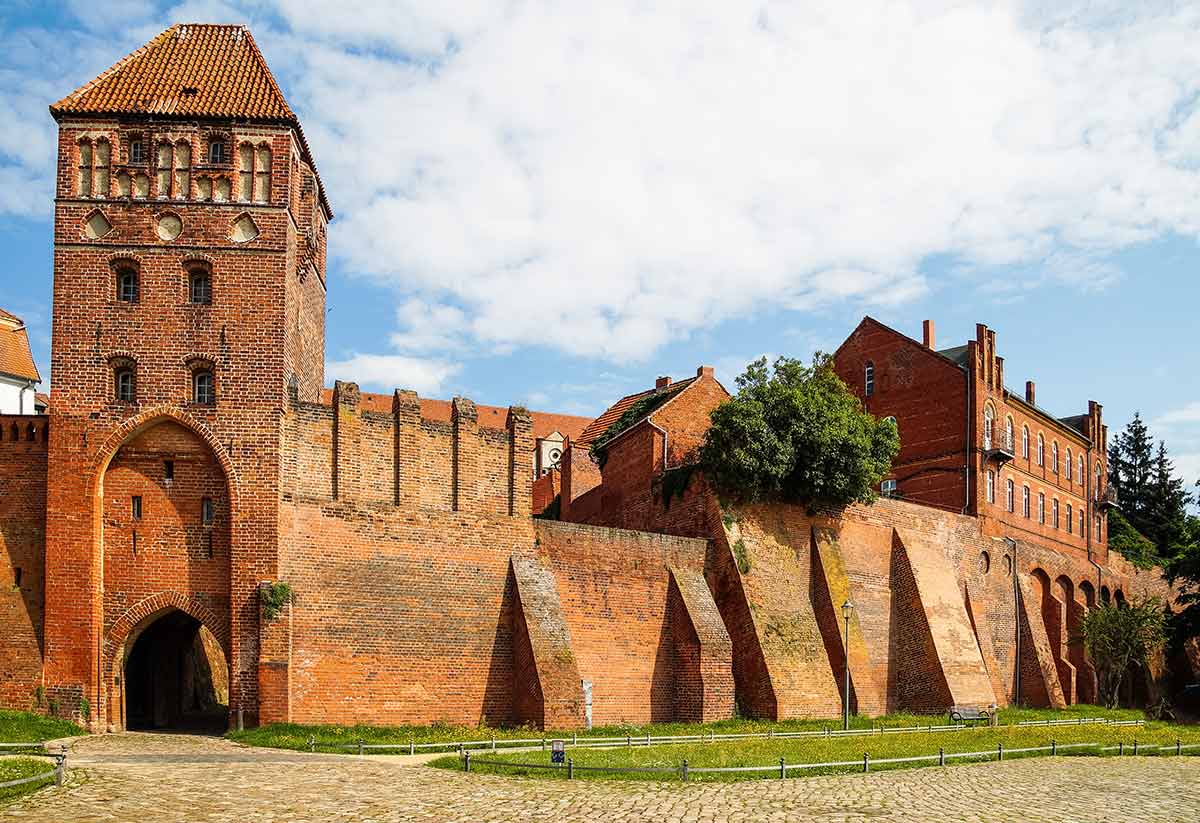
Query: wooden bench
[(969, 714)]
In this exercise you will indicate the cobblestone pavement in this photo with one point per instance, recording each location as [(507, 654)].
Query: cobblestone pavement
[(143, 778)]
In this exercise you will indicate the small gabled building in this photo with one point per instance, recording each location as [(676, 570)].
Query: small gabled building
[(19, 375), (970, 444)]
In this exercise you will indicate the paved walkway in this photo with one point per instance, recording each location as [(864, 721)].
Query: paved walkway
[(144, 778)]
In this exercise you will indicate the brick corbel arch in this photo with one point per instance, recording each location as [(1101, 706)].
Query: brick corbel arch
[(143, 613)]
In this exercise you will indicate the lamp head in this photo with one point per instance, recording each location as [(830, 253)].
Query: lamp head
[(847, 607)]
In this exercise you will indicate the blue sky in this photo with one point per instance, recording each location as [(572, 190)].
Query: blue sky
[(552, 206)]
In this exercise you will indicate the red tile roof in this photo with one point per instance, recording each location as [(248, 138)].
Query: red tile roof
[(16, 358), (194, 70), (613, 413), (492, 417)]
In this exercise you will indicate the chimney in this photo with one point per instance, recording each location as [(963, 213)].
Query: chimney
[(704, 371), (1030, 393), (662, 382), (927, 334)]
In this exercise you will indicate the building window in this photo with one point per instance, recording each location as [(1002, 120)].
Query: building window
[(1096, 488), (1008, 434), (988, 419), (1054, 456), (1008, 495), (1082, 474), (1042, 508), (1025, 442), (1025, 501), (127, 286), (137, 151), (203, 390), (991, 487), (126, 384), (1054, 512), (135, 506), (1070, 464), (168, 470), (163, 177), (103, 157), (206, 511), (85, 169), (200, 287), (1041, 457), (216, 153), (869, 378), (262, 174), (1081, 522), (183, 170), (1070, 520), (888, 487), (245, 171)]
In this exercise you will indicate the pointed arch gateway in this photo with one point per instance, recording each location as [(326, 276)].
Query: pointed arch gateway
[(166, 496)]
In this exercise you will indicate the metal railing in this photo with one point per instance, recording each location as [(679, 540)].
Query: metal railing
[(684, 770), (630, 740), (58, 773)]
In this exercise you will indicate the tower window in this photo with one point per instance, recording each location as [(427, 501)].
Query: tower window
[(168, 470), (126, 384), (85, 169), (262, 174), (183, 170), (200, 287), (869, 378), (206, 511), (203, 390), (127, 286), (137, 151), (103, 158), (216, 153), (164, 170), (135, 506)]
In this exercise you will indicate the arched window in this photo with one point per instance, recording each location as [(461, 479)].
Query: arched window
[(1081, 527), (203, 387), (103, 159), (1054, 512), (1070, 464), (245, 171), (1082, 473), (989, 415), (1070, 520), (1041, 455), (991, 486), (1025, 501), (141, 185), (1008, 495), (1025, 442), (869, 378), (216, 152), (1054, 456), (204, 188), (1096, 487), (127, 286), (262, 174), (1008, 434), (124, 184), (137, 150), (200, 287), (125, 383), (183, 170), (1042, 507), (85, 169), (221, 189), (164, 170)]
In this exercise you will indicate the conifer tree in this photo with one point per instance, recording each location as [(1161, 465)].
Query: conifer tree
[(1130, 464)]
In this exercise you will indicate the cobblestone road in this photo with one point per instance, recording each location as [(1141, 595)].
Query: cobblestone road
[(142, 778)]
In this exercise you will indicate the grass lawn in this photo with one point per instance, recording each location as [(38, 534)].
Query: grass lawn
[(334, 738), (27, 727), (760, 752), (14, 768)]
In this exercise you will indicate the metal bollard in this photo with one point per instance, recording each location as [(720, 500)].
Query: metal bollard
[(782, 769), (60, 769), (941, 755), (685, 770), (1121, 748), (574, 738), (647, 738), (241, 719), (312, 743), (466, 761), (866, 762), (360, 746), (493, 742), (1178, 746), (1053, 748), (628, 741), (570, 768), (412, 747), (1135, 745), (543, 743), (999, 751)]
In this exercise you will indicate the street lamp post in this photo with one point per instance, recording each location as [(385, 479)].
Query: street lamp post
[(847, 608)]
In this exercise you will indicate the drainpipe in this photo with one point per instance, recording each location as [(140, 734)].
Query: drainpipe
[(967, 455), (1012, 546)]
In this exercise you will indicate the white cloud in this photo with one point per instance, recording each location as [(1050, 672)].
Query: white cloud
[(386, 372), (607, 179), (1189, 413)]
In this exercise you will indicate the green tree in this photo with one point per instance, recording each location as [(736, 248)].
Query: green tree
[(796, 433), (1124, 538), (1121, 638), (1130, 465), (1166, 506)]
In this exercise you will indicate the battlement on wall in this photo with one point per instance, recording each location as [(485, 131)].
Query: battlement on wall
[(344, 451), (24, 432)]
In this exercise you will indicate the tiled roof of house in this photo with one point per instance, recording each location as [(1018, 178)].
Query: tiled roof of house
[(1078, 422), (16, 358), (492, 417), (196, 70), (614, 412), (955, 354)]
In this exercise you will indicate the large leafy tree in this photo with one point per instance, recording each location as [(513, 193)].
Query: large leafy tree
[(1121, 638), (796, 433)]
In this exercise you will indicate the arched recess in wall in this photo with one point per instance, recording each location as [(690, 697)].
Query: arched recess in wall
[(1088, 592), (185, 547)]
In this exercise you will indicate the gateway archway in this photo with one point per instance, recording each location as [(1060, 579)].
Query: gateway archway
[(175, 676)]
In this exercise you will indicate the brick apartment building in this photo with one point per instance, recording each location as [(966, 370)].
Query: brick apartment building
[(192, 460)]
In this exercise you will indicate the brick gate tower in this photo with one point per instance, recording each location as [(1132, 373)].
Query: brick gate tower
[(189, 302)]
